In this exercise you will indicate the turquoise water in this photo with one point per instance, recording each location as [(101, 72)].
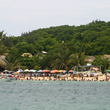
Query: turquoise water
[(54, 95)]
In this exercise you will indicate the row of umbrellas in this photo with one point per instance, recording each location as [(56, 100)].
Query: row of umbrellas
[(51, 71)]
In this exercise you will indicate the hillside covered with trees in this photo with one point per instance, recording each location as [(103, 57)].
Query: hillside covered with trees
[(66, 46)]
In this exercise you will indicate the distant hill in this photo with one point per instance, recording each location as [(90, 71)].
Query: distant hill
[(92, 38)]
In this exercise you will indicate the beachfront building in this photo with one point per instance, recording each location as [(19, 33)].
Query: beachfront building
[(89, 60), (107, 56), (26, 54)]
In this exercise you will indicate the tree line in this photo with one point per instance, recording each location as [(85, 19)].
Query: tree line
[(66, 46)]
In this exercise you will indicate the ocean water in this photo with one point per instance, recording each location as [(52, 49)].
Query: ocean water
[(54, 95)]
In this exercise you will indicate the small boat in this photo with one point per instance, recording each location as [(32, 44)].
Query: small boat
[(7, 77)]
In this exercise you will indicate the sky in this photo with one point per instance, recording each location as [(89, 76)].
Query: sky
[(18, 16)]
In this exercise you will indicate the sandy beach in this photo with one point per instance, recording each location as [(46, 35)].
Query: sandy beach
[(100, 78)]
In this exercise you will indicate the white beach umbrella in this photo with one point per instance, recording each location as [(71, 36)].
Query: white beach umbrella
[(5, 71), (32, 70), (26, 70), (39, 71)]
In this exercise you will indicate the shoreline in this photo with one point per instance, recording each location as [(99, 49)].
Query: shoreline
[(100, 78)]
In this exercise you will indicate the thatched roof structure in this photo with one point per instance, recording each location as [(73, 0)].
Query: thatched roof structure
[(26, 54), (107, 56)]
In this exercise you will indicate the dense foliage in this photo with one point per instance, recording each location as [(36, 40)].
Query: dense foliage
[(61, 43)]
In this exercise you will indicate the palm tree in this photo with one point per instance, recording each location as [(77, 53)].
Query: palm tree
[(3, 50), (102, 61), (2, 35), (11, 62), (61, 61), (77, 59), (1, 65)]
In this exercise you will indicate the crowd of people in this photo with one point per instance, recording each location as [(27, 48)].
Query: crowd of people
[(60, 77)]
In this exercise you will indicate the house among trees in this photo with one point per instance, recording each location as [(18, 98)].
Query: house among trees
[(44, 52), (107, 56), (26, 54), (89, 60)]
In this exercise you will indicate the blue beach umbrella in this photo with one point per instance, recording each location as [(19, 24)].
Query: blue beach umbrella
[(68, 74)]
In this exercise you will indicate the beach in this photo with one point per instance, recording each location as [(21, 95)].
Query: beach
[(100, 78)]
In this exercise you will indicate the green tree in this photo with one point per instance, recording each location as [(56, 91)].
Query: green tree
[(71, 46), (1, 66), (24, 47), (3, 50), (78, 36), (46, 60), (11, 62), (61, 61), (77, 59), (2, 35), (30, 62), (7, 41), (101, 61), (14, 52)]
